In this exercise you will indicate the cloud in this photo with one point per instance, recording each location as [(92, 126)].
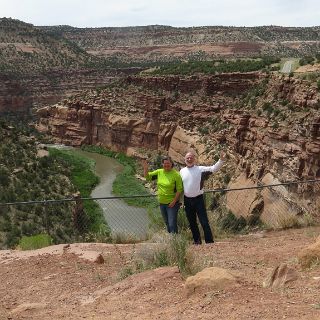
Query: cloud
[(104, 13)]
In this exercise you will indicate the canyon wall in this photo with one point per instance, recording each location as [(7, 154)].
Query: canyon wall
[(19, 94), (136, 115)]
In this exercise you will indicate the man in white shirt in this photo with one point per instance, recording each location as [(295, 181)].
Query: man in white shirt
[(193, 195)]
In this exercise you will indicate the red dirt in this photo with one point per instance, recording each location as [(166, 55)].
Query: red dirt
[(43, 285)]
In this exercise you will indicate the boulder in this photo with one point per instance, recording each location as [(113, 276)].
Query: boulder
[(280, 276), (310, 255), (210, 279)]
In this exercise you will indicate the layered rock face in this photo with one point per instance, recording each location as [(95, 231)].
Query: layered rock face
[(272, 135), (21, 94), (141, 112), (13, 95)]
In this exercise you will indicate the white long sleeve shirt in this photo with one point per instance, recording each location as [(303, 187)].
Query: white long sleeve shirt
[(191, 178)]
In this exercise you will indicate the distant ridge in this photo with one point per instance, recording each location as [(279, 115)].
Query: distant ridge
[(166, 43), (25, 48)]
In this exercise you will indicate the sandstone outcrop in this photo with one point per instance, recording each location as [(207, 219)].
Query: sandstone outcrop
[(211, 279), (129, 118), (280, 276)]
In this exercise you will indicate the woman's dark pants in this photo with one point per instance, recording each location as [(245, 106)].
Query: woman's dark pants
[(170, 216)]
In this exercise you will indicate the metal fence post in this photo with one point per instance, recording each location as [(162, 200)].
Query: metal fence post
[(78, 212)]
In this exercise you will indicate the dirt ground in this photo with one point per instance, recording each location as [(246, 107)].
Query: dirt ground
[(60, 283), (308, 68)]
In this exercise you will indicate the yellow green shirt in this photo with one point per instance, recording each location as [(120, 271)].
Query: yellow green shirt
[(168, 183)]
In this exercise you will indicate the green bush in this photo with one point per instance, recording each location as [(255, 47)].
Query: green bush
[(306, 60), (35, 242), (4, 177), (216, 66), (232, 223), (173, 252), (161, 259)]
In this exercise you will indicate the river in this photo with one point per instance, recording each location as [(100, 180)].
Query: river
[(127, 221)]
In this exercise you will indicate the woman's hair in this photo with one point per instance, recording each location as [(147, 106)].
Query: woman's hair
[(167, 158)]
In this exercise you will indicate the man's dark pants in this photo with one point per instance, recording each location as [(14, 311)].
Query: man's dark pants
[(195, 207)]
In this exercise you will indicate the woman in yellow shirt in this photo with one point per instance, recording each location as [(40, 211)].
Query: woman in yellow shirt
[(169, 185)]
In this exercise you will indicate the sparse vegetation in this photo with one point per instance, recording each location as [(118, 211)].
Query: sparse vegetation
[(173, 251), (216, 66), (27, 49), (306, 60), (26, 176), (232, 223)]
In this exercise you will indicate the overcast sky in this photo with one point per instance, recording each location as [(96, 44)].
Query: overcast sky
[(177, 13)]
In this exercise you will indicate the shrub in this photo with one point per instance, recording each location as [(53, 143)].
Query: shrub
[(306, 60), (177, 252), (161, 259), (232, 223), (267, 106), (35, 242), (4, 177), (203, 130), (226, 178)]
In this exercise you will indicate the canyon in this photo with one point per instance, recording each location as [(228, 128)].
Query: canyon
[(86, 86), (268, 123)]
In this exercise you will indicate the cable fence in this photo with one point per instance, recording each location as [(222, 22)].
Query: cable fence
[(136, 218), (275, 206)]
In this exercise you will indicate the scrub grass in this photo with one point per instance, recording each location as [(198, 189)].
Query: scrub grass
[(35, 242), (172, 251)]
